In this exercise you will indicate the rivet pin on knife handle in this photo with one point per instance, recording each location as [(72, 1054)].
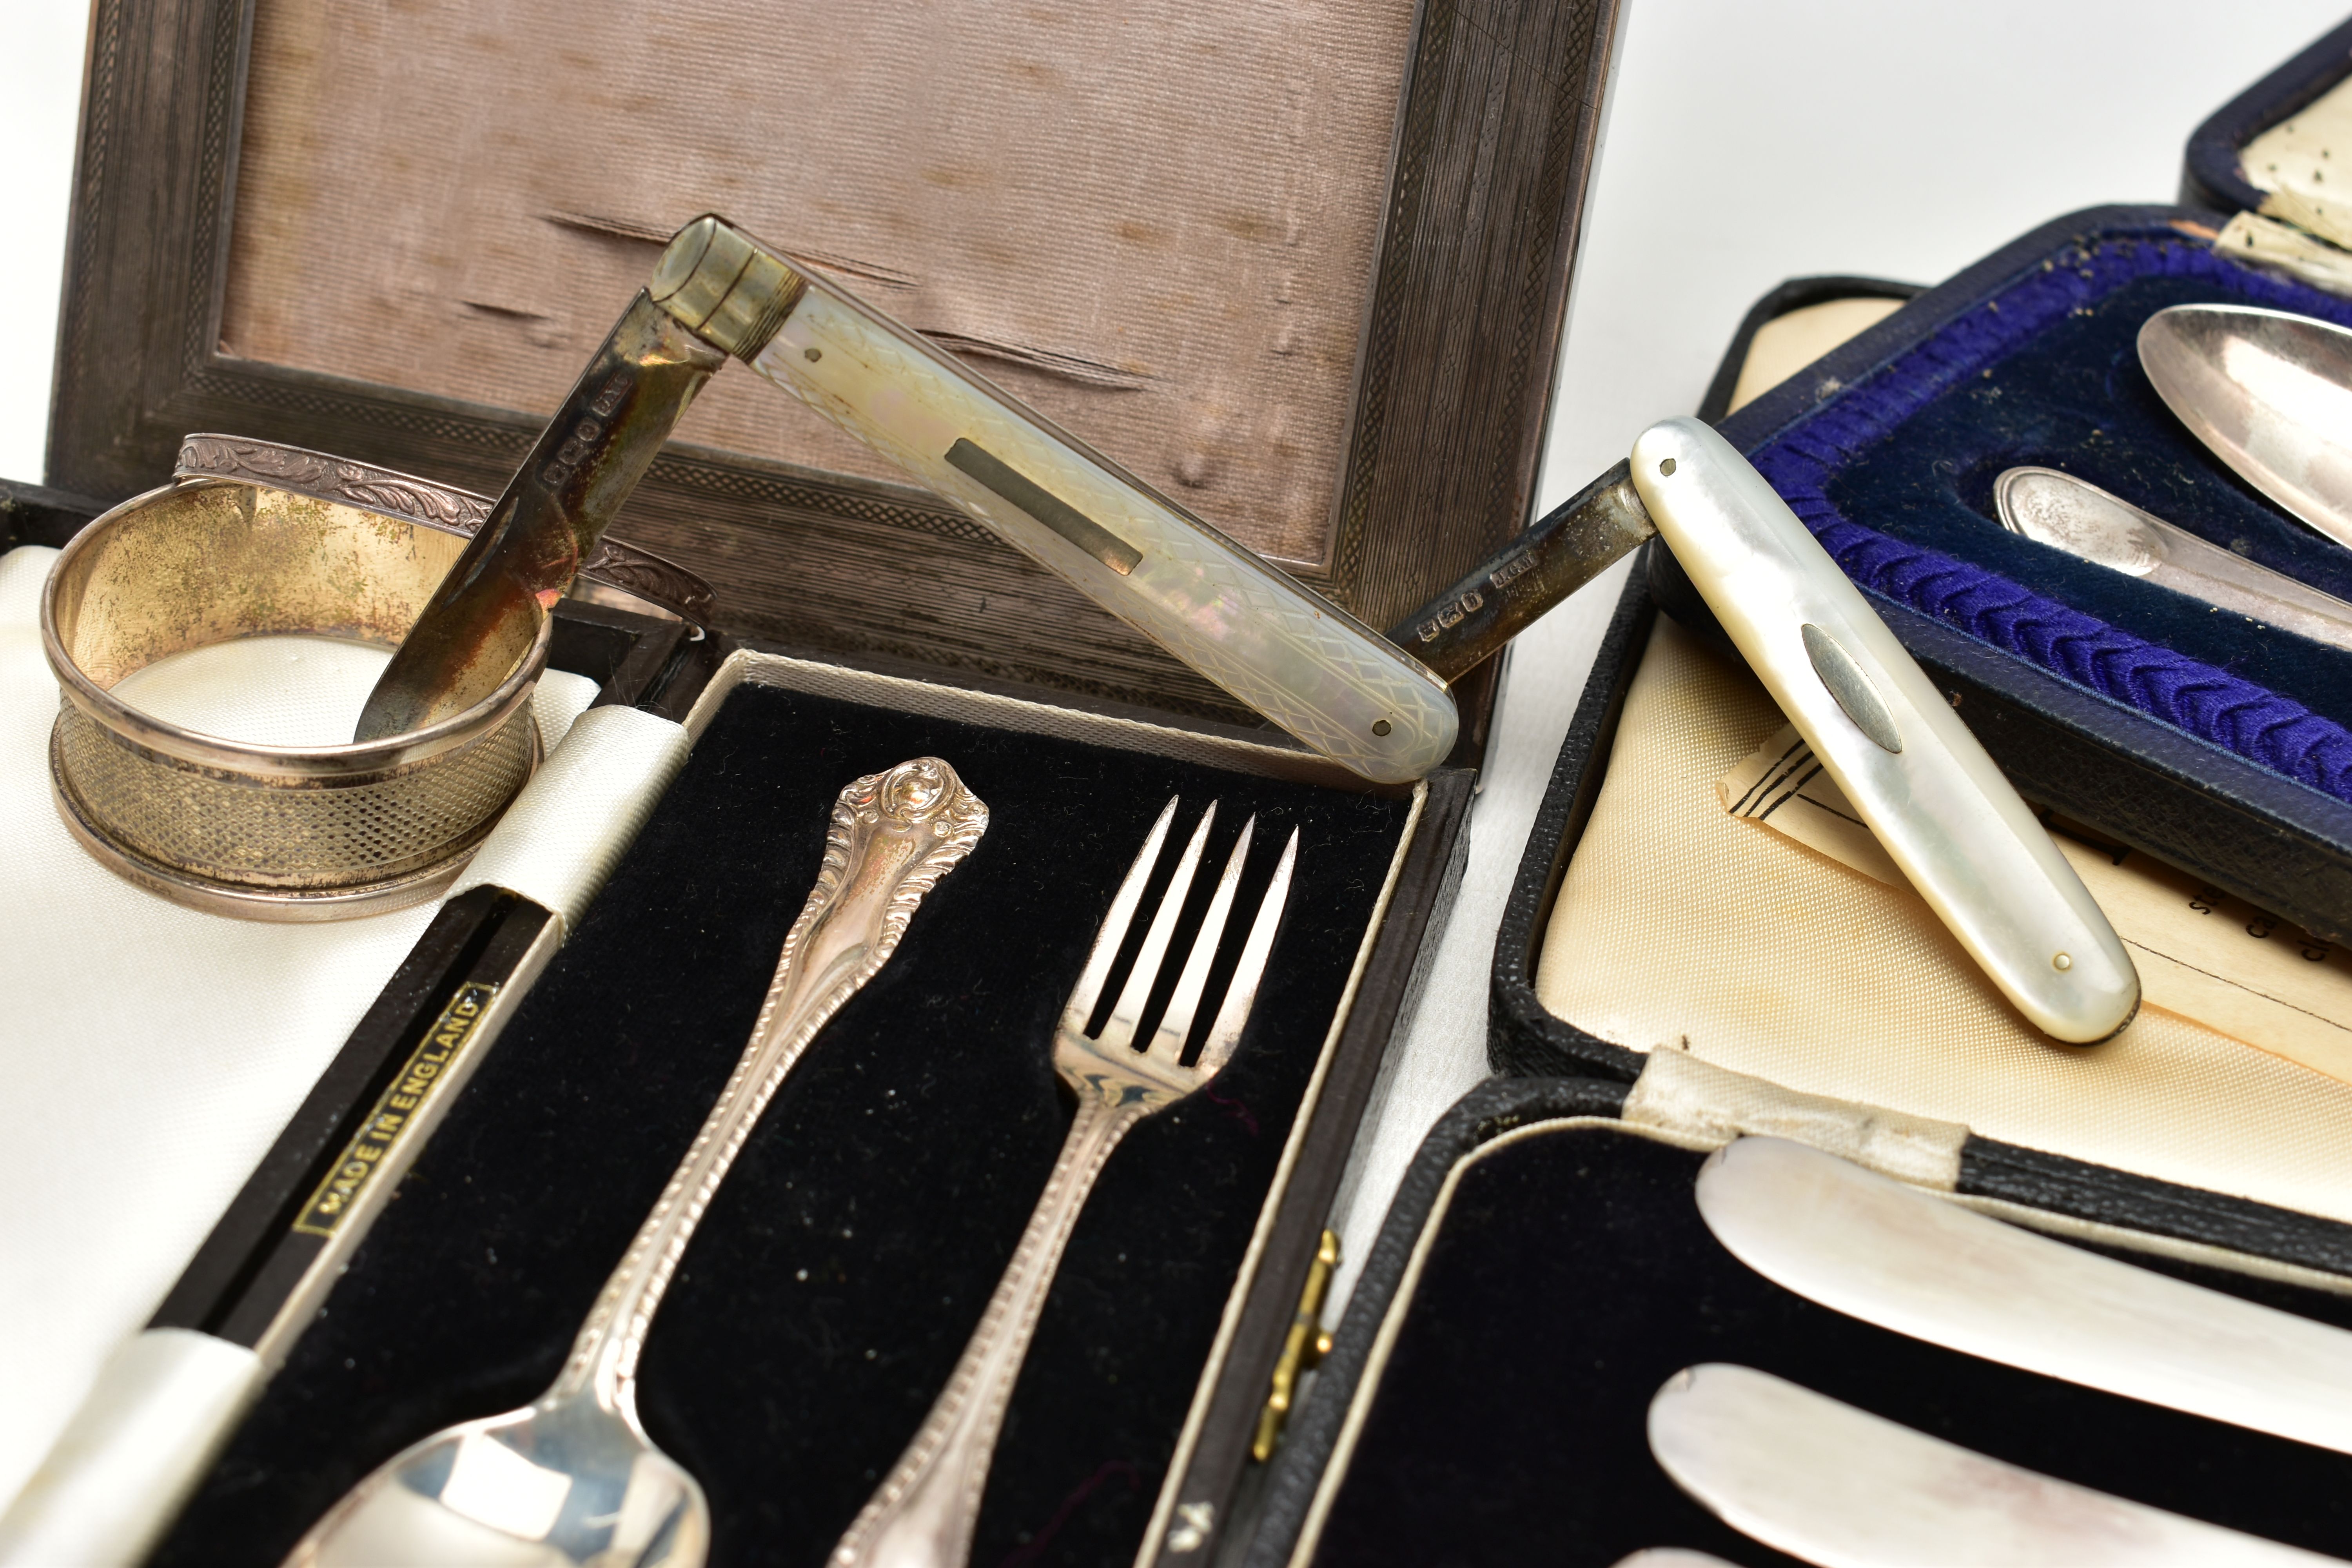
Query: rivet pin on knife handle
[(1308, 666), (1943, 811)]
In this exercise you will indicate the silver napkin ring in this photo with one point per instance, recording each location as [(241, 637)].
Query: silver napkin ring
[(264, 832)]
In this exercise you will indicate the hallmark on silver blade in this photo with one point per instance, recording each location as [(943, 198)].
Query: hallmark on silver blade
[(586, 434), (1451, 616)]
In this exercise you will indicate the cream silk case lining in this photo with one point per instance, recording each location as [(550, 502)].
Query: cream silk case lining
[(1681, 927)]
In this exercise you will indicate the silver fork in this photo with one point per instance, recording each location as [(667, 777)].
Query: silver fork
[(922, 1516)]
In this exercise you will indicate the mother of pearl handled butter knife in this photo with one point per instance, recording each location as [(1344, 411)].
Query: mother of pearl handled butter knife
[(2270, 393), (1921, 780), (1823, 1482), (2079, 517), (1294, 656), (1869, 1247)]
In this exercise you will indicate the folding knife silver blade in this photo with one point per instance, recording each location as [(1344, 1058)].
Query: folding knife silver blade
[(1819, 1479), (1861, 1244), (2079, 517)]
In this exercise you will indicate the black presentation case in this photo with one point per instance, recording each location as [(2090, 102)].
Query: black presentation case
[(846, 1260), (1543, 1268)]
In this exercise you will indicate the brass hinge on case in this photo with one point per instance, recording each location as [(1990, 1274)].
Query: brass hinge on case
[(1302, 1348)]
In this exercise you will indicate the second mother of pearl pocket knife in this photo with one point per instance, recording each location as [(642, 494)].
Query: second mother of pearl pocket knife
[(1919, 778)]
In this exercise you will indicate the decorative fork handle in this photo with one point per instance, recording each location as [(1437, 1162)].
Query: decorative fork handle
[(924, 1513), (892, 837)]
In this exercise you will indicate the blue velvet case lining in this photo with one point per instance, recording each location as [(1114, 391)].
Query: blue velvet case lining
[(2044, 370)]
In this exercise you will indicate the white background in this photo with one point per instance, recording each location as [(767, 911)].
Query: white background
[(1747, 143)]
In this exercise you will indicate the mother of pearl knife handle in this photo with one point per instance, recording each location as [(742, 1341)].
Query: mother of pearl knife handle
[(1825, 1482), (1924, 784), (1333, 682)]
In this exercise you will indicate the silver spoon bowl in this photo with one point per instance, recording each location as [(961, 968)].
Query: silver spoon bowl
[(567, 1481), (2270, 393)]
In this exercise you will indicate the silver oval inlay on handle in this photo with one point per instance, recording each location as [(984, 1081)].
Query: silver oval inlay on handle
[(1851, 686)]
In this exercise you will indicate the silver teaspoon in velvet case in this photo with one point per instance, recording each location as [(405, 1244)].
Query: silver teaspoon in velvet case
[(2079, 517), (2270, 394)]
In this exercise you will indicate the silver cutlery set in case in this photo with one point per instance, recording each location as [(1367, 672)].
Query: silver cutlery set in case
[(2270, 394), (898, 1199), (919, 1151)]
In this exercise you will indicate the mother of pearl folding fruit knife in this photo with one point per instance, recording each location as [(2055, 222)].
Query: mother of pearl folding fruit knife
[(1285, 650), (1923, 783)]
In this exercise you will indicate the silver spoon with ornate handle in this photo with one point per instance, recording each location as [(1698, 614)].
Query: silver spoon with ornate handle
[(572, 1478)]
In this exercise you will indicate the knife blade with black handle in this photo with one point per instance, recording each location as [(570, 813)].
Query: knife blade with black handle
[(1821, 1480), (1869, 1247)]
